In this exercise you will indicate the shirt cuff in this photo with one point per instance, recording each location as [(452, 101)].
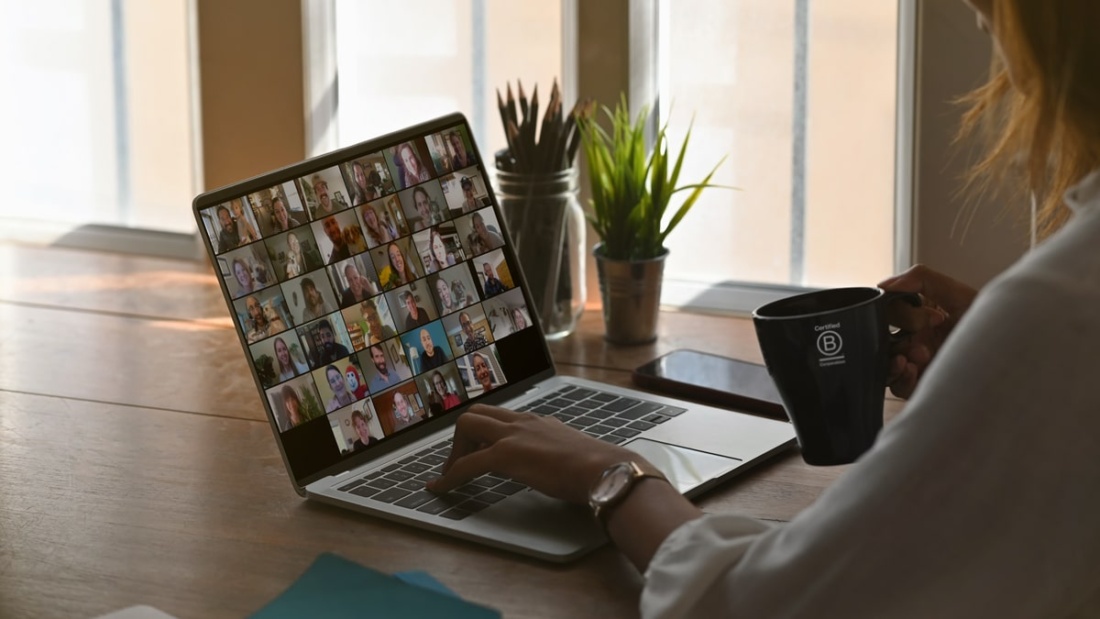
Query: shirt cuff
[(691, 562)]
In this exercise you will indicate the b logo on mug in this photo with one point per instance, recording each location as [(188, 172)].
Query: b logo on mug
[(829, 344)]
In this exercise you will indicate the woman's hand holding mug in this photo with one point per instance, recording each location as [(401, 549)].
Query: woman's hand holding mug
[(945, 302)]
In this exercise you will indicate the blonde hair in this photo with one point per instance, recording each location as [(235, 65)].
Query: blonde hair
[(1040, 109)]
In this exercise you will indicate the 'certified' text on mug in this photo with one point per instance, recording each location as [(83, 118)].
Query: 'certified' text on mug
[(829, 344)]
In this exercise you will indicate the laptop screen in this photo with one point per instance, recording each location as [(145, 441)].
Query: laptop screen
[(373, 290)]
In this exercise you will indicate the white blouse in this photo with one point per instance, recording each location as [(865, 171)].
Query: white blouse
[(981, 500)]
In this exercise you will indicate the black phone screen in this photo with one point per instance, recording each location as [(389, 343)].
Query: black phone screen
[(712, 379)]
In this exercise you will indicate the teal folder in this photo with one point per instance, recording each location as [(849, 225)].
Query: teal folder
[(335, 588)]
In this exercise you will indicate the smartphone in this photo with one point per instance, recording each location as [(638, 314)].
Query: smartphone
[(712, 379)]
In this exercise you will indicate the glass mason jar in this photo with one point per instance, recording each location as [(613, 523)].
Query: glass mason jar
[(547, 226)]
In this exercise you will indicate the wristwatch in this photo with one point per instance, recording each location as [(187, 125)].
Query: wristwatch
[(615, 484)]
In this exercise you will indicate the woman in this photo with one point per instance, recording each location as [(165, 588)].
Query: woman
[(412, 171), (377, 232), (400, 271), (294, 259), (942, 517), (423, 204), (282, 218), (361, 191), (447, 398), (288, 366), (443, 294), (518, 319), (482, 375), (315, 306), (402, 412), (438, 257), (338, 384), (243, 275), (362, 431), (293, 406)]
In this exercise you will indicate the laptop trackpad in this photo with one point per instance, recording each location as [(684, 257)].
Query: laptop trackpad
[(685, 468)]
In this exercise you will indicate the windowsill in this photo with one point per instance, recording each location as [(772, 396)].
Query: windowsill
[(100, 237), (729, 298), (724, 298)]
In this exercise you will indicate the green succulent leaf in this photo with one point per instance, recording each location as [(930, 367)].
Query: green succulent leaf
[(632, 187)]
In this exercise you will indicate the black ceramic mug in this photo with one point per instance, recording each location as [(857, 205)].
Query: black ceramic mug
[(828, 353)]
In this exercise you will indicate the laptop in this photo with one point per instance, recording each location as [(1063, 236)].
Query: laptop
[(377, 295)]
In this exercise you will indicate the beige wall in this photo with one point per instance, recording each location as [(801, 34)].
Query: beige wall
[(251, 87), (952, 57), (603, 72), (158, 100)]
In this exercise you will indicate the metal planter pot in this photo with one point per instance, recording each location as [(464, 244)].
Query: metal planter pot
[(631, 292)]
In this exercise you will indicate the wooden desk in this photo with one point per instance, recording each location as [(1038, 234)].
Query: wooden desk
[(136, 466)]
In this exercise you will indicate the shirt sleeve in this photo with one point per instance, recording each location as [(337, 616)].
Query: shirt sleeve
[(981, 500), (692, 562)]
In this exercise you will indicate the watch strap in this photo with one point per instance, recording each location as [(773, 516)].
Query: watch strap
[(601, 510)]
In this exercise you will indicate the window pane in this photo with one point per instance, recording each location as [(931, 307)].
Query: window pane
[(97, 122), (800, 98), (453, 59)]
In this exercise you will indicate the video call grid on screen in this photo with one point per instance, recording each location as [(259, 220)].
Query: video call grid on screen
[(371, 293)]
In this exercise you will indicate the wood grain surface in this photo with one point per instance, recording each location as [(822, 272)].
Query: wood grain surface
[(137, 466)]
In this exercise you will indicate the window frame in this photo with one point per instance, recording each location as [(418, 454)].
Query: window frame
[(620, 35)]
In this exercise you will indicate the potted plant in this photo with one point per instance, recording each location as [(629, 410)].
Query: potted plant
[(632, 190)]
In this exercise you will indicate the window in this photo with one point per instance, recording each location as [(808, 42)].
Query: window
[(419, 60), (96, 117), (773, 86), (801, 99)]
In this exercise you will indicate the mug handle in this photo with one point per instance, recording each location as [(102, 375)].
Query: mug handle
[(892, 296)]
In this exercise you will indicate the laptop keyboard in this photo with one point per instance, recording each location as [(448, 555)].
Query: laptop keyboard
[(607, 416)]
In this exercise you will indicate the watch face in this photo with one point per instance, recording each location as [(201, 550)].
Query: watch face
[(612, 483)]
